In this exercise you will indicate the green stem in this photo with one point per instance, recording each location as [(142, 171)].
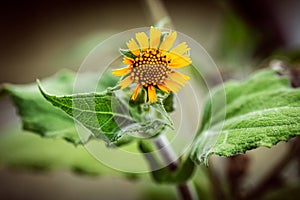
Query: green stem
[(169, 157), (166, 152)]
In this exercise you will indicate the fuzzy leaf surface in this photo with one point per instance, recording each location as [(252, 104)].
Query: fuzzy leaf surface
[(259, 111)]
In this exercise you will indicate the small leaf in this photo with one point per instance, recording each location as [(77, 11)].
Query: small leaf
[(169, 103), (260, 111)]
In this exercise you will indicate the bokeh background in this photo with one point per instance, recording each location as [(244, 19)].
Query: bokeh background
[(38, 38)]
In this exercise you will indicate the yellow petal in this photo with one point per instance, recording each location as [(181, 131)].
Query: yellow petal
[(128, 61), (180, 61), (143, 40), (122, 71), (168, 42), (136, 91), (133, 47), (184, 76), (180, 49), (125, 82), (172, 85), (155, 35), (163, 88), (151, 94), (178, 77)]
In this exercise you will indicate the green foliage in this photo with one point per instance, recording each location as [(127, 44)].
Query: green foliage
[(260, 111)]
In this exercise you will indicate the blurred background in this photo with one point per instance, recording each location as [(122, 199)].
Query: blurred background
[(38, 38)]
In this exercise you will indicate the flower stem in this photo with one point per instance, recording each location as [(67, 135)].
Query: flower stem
[(167, 153), (169, 157)]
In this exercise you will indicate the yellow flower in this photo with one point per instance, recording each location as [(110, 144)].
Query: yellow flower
[(152, 62)]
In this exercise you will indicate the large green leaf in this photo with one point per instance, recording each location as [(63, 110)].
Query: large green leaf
[(260, 111), (108, 116), (40, 116)]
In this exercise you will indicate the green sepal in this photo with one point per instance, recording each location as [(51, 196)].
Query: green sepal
[(127, 53)]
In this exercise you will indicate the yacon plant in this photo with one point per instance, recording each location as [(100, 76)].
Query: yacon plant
[(133, 103)]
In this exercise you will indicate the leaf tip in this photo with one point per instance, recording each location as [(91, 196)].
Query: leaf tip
[(38, 82)]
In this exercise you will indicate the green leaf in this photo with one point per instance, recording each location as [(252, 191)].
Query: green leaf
[(40, 116), (95, 112), (109, 117), (260, 111)]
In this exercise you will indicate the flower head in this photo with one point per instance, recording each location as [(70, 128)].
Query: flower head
[(152, 63)]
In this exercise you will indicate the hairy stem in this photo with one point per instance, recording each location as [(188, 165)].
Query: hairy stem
[(167, 153), (169, 157)]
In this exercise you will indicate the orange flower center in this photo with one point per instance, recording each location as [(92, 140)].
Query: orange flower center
[(150, 68), (150, 74)]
